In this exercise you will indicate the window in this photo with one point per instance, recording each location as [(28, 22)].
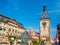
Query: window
[(4, 28), (13, 30), (3, 37), (0, 28), (9, 29), (7, 32)]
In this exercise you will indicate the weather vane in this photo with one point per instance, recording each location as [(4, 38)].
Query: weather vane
[(44, 5)]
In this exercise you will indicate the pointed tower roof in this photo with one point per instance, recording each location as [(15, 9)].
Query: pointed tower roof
[(44, 13)]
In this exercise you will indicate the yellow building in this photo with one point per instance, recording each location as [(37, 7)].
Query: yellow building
[(9, 28)]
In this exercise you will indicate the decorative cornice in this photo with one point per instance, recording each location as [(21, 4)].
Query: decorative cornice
[(13, 21)]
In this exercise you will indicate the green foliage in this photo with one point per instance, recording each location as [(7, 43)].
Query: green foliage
[(34, 42), (11, 40), (41, 41)]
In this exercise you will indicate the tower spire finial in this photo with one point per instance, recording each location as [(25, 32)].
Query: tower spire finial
[(44, 12), (44, 8), (44, 5)]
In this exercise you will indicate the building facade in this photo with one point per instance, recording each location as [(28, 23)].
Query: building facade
[(9, 29), (56, 41), (45, 26), (33, 34)]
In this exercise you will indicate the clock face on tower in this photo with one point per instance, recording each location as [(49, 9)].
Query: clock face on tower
[(44, 24)]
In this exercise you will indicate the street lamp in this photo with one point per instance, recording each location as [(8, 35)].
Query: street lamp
[(10, 38)]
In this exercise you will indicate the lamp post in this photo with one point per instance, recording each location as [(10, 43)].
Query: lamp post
[(10, 38)]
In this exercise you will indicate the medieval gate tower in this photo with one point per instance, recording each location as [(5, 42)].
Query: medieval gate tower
[(45, 26)]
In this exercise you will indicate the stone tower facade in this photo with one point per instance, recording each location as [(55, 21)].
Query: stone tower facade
[(45, 26)]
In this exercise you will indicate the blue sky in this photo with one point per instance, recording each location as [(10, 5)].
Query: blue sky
[(28, 12)]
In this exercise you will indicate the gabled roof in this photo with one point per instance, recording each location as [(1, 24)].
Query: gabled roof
[(44, 13)]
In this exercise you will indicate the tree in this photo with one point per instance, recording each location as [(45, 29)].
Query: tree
[(42, 42), (34, 42), (11, 40)]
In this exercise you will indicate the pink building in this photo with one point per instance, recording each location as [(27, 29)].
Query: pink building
[(33, 34)]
